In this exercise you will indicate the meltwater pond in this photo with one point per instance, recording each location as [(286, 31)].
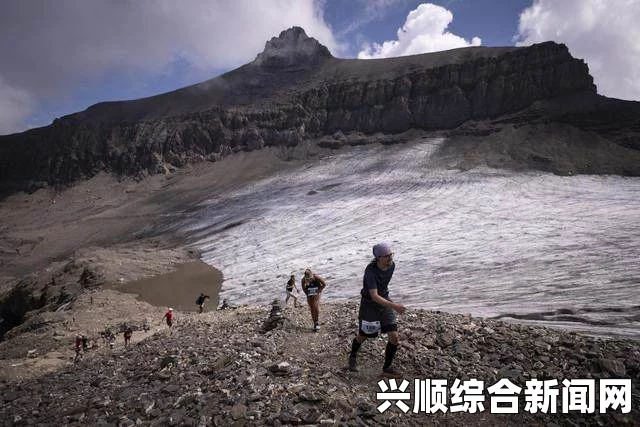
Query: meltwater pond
[(533, 246)]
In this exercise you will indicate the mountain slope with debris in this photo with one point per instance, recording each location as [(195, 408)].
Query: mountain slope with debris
[(225, 367)]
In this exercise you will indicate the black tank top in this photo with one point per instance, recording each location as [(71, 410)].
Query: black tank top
[(313, 287)]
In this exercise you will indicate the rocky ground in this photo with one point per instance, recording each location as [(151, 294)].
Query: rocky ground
[(58, 243), (124, 294), (83, 246), (53, 223), (233, 367), (44, 343), (552, 147)]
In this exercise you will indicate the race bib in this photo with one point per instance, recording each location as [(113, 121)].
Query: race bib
[(370, 327), (312, 291)]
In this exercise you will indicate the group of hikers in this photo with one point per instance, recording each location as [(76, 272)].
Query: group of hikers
[(312, 285), (377, 313), (82, 343), (203, 298), (200, 301)]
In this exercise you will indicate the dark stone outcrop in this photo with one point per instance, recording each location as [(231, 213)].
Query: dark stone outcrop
[(46, 290), (15, 305), (293, 48), (574, 134), (295, 90)]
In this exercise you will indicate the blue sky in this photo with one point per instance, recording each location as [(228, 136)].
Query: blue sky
[(59, 57), (495, 21)]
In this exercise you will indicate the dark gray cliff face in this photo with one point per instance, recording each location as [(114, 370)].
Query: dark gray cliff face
[(293, 90), (446, 96)]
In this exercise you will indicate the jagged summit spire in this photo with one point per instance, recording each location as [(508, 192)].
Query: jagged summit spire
[(292, 48)]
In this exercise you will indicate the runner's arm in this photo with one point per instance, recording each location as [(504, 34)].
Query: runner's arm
[(385, 302), (322, 282)]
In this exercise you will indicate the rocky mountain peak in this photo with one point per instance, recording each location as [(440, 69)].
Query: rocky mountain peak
[(295, 91), (292, 48)]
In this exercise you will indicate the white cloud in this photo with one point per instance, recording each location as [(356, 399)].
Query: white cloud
[(603, 33), (15, 105), (425, 30), (49, 48)]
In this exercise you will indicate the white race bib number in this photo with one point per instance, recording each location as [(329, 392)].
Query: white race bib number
[(370, 327), (312, 291)]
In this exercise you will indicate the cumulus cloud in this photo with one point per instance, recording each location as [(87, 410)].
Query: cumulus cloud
[(49, 48), (425, 30), (603, 33)]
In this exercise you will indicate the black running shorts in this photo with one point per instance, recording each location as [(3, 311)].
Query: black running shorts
[(374, 318)]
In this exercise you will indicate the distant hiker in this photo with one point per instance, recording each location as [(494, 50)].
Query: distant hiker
[(225, 305), (169, 316), (127, 335), (377, 311), (77, 346), (85, 343), (313, 285), (200, 302), (291, 285), (107, 335)]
